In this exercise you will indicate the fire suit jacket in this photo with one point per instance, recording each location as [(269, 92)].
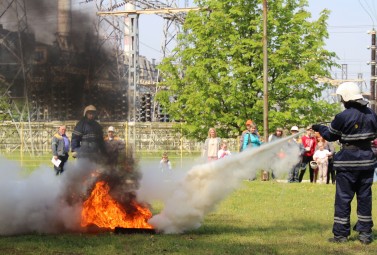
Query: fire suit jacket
[(88, 137), (355, 128)]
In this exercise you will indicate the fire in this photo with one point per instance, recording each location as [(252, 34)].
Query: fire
[(103, 211)]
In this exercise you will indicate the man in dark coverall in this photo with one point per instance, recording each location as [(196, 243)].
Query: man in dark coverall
[(87, 137), (355, 128)]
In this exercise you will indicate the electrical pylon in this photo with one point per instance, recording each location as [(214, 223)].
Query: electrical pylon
[(17, 80)]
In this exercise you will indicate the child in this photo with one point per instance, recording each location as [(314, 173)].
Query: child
[(223, 152), (321, 157), (165, 164)]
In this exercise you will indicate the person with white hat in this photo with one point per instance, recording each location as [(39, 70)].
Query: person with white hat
[(293, 175), (114, 146), (354, 128)]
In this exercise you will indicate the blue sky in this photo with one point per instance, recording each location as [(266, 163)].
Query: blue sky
[(348, 26)]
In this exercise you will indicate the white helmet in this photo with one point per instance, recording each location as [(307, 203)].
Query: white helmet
[(294, 128), (313, 165), (89, 108), (349, 91), (111, 129)]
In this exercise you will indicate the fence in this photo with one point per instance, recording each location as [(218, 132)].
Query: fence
[(141, 137)]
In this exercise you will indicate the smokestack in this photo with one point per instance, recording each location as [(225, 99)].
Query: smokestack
[(64, 23)]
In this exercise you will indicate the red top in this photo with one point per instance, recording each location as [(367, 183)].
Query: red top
[(309, 145)]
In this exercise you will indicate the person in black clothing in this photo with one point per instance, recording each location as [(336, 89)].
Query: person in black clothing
[(355, 128), (87, 137)]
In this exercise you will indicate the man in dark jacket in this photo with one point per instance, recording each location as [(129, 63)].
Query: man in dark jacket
[(355, 128), (87, 137), (114, 147)]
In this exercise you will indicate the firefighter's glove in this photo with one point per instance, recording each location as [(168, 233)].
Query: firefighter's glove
[(74, 154), (316, 128)]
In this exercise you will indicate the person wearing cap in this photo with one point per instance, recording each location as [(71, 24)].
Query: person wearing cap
[(294, 173), (309, 142), (248, 124), (87, 137), (114, 146), (354, 128), (251, 138)]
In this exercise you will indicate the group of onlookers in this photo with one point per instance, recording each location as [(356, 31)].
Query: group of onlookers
[(316, 154)]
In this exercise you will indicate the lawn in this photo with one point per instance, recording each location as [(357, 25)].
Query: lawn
[(258, 218)]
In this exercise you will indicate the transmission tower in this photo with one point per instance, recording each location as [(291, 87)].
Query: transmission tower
[(173, 17), (16, 47)]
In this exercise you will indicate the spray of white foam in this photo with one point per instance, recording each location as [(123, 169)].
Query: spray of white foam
[(42, 202), (188, 198)]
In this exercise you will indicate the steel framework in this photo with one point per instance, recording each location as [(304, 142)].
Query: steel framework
[(16, 87)]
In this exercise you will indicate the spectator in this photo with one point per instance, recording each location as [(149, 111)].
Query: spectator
[(321, 157), (330, 147), (87, 137), (114, 146), (309, 142), (223, 152), (293, 174), (212, 145), (248, 126), (165, 164), (60, 147), (273, 137), (277, 135), (251, 138), (355, 128)]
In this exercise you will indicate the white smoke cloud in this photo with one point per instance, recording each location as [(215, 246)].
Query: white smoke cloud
[(189, 199), (44, 203), (38, 202)]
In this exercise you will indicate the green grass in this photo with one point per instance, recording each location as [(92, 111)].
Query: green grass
[(258, 218)]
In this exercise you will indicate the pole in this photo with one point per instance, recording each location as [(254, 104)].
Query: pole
[(265, 73), (373, 71)]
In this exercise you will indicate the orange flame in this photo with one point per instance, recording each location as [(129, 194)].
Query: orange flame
[(103, 211)]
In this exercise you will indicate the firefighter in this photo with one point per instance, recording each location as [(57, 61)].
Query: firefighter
[(355, 128), (87, 137)]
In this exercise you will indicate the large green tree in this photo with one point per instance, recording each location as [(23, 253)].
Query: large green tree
[(216, 76)]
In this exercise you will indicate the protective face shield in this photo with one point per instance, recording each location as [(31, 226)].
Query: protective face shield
[(349, 91)]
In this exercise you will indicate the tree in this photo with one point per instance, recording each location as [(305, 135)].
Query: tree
[(4, 101), (218, 81)]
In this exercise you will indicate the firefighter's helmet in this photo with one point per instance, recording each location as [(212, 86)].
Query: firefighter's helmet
[(349, 91), (313, 165), (89, 108)]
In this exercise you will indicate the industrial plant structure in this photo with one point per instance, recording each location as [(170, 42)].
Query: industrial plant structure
[(84, 64)]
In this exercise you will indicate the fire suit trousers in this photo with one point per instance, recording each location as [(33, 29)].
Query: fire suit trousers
[(347, 184)]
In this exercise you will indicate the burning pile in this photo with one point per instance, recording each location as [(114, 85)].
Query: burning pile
[(102, 210)]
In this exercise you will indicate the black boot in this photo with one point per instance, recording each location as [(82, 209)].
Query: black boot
[(338, 239), (366, 237)]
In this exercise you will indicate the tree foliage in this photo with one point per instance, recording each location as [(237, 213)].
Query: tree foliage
[(4, 101), (216, 74)]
